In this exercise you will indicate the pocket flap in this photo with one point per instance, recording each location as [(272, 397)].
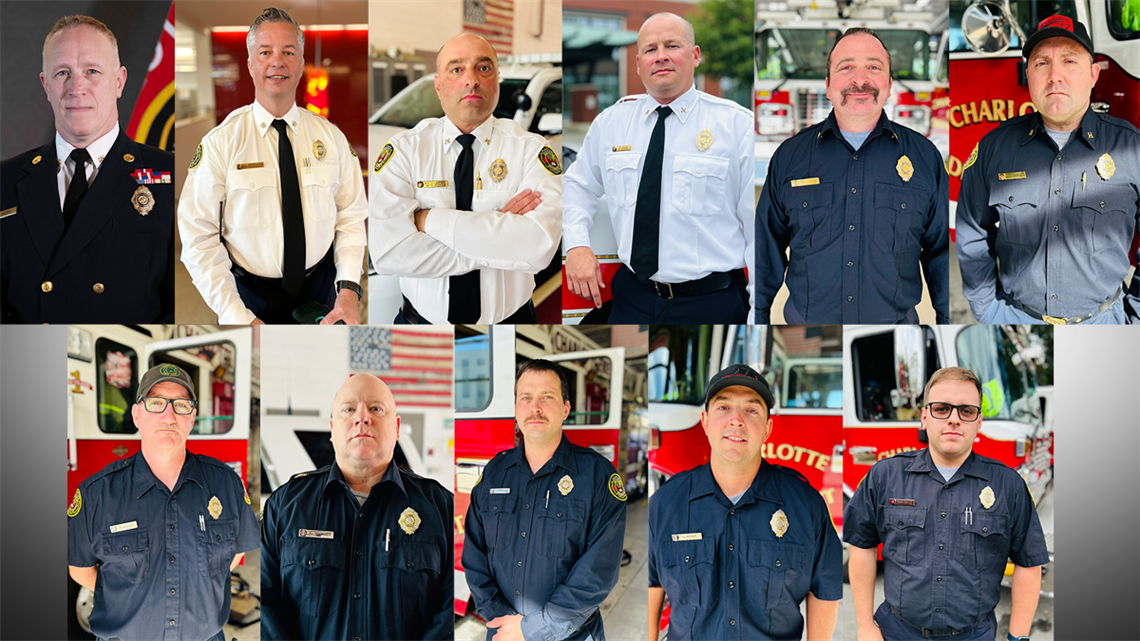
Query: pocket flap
[(320, 176), (904, 517), (413, 557), (568, 510), (986, 524), (1105, 198), (897, 198), (701, 166), (689, 553), (1011, 193), (501, 503), (622, 160), (775, 555), (221, 531), (134, 541), (312, 553), (807, 198), (251, 179)]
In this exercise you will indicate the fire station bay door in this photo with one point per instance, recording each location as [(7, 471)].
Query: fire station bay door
[(597, 379)]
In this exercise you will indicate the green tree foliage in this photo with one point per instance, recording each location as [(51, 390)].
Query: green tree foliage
[(724, 30)]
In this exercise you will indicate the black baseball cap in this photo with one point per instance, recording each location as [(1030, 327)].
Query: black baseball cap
[(166, 373), (1058, 26), (740, 375)]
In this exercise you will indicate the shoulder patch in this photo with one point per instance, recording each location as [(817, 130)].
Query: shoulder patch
[(352, 151), (973, 157), (617, 488), (385, 155), (550, 161), (76, 503), (197, 157)]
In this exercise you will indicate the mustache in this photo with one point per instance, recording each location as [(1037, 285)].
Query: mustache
[(864, 88)]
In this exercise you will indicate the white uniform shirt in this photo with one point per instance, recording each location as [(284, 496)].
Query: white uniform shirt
[(97, 150), (232, 194), (707, 211), (508, 249)]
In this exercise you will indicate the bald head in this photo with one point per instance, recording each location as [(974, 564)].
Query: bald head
[(655, 19), (367, 387), (463, 44)]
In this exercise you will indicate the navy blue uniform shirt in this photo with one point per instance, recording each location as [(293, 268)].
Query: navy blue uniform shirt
[(859, 223), (1062, 246), (332, 568), (726, 572), (164, 556), (546, 545), (942, 568)]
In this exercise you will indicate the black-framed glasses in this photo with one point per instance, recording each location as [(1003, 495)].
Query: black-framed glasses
[(157, 405), (941, 411)]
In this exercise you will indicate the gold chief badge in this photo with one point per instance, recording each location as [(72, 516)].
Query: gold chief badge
[(409, 521), (565, 484), (779, 523), (704, 140), (498, 170), (987, 497), (76, 503), (1105, 167), (215, 507), (143, 200), (319, 150), (905, 169)]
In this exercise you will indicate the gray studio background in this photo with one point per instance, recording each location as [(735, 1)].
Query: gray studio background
[(25, 115)]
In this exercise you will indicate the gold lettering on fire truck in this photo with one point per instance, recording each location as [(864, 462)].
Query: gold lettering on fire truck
[(797, 454), (890, 453), (978, 111)]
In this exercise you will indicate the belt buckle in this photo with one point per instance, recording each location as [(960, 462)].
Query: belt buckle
[(657, 288), (1053, 320)]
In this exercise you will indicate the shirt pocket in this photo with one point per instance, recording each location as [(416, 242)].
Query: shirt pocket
[(499, 520), (985, 542), (320, 182), (125, 560), (1101, 218), (905, 539), (898, 219), (690, 572), (217, 547), (251, 198), (315, 568), (561, 527), (414, 568), (621, 178), (1016, 208), (699, 184), (775, 568), (809, 215)]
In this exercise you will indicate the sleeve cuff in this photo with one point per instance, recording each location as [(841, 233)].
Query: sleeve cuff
[(573, 236)]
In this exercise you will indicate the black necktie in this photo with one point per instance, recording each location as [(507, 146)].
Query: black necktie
[(463, 297), (647, 214), (292, 216), (78, 187)]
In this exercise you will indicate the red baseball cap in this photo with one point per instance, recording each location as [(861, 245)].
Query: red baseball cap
[(1057, 26)]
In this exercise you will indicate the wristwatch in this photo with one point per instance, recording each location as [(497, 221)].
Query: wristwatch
[(1010, 636), (348, 284)]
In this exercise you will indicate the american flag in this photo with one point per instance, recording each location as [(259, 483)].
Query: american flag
[(492, 19), (802, 340), (416, 364)]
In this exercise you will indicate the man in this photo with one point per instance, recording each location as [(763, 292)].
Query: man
[(1062, 182), (861, 201), (739, 543), (948, 519), (359, 549), (156, 534), (546, 524), (98, 249), (468, 207), (272, 211), (684, 228)]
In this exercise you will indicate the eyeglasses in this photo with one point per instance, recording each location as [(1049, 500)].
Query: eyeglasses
[(941, 411), (157, 405)]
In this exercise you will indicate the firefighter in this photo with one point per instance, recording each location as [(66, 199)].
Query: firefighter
[(948, 519), (156, 534), (360, 548), (684, 227), (467, 208), (1062, 182), (862, 203), (546, 523), (69, 256), (272, 211), (739, 543)]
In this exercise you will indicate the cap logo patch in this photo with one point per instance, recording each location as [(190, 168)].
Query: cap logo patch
[(1057, 21), (169, 370)]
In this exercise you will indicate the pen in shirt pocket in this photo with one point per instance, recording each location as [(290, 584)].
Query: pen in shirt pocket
[(201, 522)]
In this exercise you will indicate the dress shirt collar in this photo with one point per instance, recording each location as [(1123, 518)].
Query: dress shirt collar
[(1086, 130), (482, 133), (762, 488), (883, 126), (98, 149), (144, 478), (972, 466), (563, 457), (265, 119), (682, 106), (392, 474)]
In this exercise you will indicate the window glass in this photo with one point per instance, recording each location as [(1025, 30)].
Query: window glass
[(472, 372), (1124, 19), (211, 368), (589, 383), (815, 385), (678, 363), (116, 386), (802, 53)]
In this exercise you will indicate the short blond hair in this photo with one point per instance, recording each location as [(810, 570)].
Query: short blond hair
[(951, 374), (78, 20)]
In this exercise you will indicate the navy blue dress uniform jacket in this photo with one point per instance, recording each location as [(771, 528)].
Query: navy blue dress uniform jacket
[(112, 266), (332, 568), (727, 573), (942, 568), (859, 224), (546, 545), (1062, 246), (164, 556)]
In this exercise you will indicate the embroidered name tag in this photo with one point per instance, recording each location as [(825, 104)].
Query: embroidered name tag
[(693, 536), (250, 165), (427, 184), (500, 490), (803, 182), (123, 527), (1011, 175), (902, 501), (314, 534)]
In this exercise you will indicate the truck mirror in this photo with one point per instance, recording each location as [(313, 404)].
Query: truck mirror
[(909, 366), (523, 101), (987, 27)]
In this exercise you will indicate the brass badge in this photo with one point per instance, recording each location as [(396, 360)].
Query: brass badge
[(143, 200), (429, 184), (565, 484), (905, 169), (617, 488), (215, 507), (623, 148), (319, 150), (987, 497), (779, 523), (76, 503), (128, 158), (498, 170), (1105, 167), (409, 521), (972, 159), (704, 140)]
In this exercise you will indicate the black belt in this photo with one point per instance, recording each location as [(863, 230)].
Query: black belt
[(411, 316), (524, 315), (712, 283), (242, 273), (927, 633), (1073, 320)]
